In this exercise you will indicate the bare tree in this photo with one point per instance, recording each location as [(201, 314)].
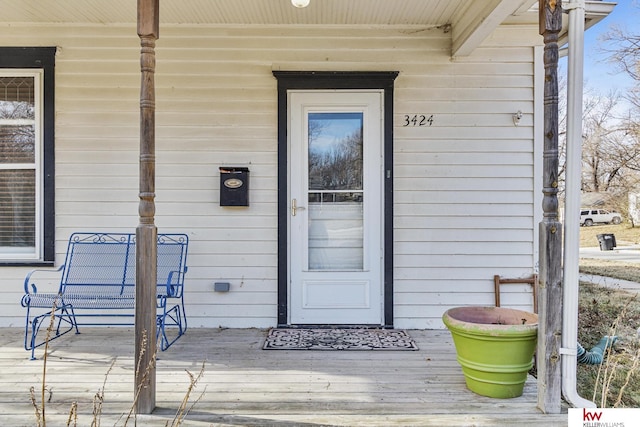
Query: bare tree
[(609, 154), (600, 143), (622, 47), (611, 125), (340, 167)]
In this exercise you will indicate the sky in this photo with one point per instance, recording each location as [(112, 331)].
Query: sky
[(599, 74), (333, 128)]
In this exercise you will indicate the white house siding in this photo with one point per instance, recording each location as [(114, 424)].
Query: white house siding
[(463, 186)]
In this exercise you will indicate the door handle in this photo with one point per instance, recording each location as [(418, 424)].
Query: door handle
[(295, 207)]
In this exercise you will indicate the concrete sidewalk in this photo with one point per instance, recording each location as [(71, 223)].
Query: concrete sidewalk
[(610, 282), (625, 253)]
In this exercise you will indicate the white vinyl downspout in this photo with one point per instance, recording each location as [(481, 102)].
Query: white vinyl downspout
[(573, 179)]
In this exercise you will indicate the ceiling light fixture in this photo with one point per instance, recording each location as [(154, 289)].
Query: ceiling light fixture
[(300, 3)]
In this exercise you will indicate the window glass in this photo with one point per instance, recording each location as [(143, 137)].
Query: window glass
[(19, 151)]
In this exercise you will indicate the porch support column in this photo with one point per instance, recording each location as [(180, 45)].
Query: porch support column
[(550, 278), (146, 232)]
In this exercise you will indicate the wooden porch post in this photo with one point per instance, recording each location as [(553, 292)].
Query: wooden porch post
[(550, 278), (146, 232)]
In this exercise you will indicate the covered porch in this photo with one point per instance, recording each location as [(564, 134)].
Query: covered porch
[(478, 65), (245, 385)]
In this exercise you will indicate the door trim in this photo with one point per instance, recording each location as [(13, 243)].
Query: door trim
[(310, 80)]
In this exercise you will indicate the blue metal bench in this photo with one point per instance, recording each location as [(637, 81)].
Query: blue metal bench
[(98, 279)]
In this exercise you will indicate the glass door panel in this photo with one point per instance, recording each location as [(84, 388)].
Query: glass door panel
[(335, 191)]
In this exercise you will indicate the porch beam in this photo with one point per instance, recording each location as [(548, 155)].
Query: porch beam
[(479, 20), (550, 278), (146, 232)]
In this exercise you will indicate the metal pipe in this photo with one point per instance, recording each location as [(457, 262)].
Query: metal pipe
[(572, 205)]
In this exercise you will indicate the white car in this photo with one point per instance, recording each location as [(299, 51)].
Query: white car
[(588, 217)]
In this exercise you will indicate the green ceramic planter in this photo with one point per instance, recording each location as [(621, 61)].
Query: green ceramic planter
[(495, 347)]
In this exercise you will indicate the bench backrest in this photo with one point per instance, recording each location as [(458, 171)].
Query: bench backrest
[(105, 264)]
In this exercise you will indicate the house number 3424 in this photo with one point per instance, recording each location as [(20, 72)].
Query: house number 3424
[(417, 120)]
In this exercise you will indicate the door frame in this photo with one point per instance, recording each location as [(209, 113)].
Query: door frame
[(330, 80)]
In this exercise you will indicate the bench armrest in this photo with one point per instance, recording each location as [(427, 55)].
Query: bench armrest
[(30, 288), (173, 289)]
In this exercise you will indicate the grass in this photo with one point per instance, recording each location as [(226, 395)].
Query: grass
[(624, 233), (605, 311), (609, 311), (617, 270)]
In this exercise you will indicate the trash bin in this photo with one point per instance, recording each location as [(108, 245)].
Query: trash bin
[(607, 242)]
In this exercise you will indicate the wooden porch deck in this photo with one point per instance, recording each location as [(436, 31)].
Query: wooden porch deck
[(245, 385)]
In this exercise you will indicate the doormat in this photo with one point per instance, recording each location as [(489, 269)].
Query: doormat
[(338, 339)]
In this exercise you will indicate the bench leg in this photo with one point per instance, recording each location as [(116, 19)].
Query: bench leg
[(61, 314), (172, 320)]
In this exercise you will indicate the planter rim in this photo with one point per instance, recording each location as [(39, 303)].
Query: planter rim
[(491, 321)]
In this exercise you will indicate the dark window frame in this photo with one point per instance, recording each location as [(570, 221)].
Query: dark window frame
[(40, 58), (318, 80)]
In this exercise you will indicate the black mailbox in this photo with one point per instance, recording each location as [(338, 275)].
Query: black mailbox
[(234, 186)]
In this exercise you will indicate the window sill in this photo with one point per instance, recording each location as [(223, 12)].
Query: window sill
[(27, 264)]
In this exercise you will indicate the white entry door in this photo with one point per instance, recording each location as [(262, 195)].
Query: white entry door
[(335, 212)]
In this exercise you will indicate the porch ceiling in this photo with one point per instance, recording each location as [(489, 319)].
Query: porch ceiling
[(258, 12), (471, 20)]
